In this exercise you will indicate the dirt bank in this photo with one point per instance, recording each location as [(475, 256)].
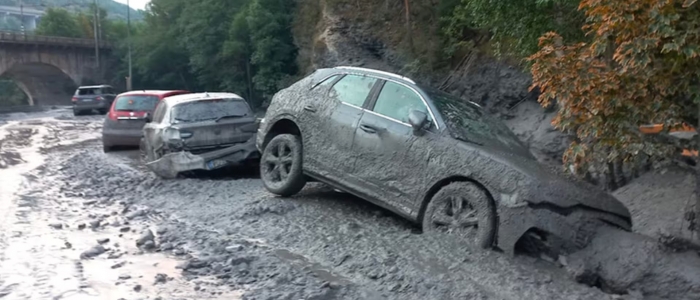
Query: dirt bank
[(657, 201)]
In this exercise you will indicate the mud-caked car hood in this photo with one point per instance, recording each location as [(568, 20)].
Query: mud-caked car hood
[(541, 185)]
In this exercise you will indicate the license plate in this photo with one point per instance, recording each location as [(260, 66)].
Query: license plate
[(87, 100), (215, 164)]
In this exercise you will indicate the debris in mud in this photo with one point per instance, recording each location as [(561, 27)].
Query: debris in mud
[(620, 262), (81, 226), (103, 240), (125, 229), (89, 202), (10, 158), (146, 236), (118, 265), (56, 225), (135, 214), (68, 245), (166, 246), (148, 245), (137, 288), (92, 252)]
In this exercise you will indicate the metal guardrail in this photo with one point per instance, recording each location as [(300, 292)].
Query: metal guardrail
[(29, 38)]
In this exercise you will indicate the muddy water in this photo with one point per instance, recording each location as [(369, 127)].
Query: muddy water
[(45, 231)]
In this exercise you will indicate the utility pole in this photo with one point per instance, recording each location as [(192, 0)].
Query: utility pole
[(21, 18), (97, 43), (128, 32)]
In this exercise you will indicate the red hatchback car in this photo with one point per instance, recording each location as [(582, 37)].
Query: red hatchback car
[(125, 119)]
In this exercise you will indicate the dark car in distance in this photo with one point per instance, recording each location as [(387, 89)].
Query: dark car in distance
[(199, 131), (89, 98), (431, 157), (125, 119)]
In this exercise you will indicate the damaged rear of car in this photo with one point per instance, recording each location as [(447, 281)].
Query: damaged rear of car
[(203, 131)]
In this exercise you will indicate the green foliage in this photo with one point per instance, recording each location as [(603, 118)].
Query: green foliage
[(514, 26), (11, 94), (59, 22), (10, 23)]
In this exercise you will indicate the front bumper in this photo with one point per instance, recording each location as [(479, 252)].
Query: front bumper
[(576, 226), (171, 164)]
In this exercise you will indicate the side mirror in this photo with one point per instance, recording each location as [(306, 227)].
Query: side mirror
[(418, 120), (147, 117)]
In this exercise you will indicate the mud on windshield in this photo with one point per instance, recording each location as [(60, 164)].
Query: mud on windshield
[(210, 109)]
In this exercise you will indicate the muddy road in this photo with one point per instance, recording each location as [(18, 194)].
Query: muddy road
[(80, 224)]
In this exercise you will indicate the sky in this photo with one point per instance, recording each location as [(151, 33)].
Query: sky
[(136, 4)]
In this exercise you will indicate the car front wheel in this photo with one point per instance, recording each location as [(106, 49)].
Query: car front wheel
[(281, 165), (462, 209)]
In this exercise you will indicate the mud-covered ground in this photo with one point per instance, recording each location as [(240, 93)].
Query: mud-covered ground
[(222, 236)]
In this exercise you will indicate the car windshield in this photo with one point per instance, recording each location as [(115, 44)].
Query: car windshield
[(468, 122), (135, 103), (94, 91), (210, 109)]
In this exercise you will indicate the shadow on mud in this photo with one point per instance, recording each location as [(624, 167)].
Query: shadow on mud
[(228, 173)]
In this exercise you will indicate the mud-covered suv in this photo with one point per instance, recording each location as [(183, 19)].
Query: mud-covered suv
[(431, 157)]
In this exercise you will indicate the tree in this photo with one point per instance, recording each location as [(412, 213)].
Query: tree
[(58, 22), (641, 66), (514, 25)]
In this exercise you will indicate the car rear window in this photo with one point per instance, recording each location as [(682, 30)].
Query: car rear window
[(210, 109), (135, 103), (94, 91)]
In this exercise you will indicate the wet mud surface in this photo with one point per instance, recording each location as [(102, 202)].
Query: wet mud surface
[(80, 224)]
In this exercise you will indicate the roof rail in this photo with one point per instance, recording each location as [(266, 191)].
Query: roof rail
[(377, 71)]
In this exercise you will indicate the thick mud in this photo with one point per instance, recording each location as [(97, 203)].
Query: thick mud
[(225, 237)]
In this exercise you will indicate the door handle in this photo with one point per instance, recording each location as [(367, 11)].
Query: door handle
[(310, 108), (367, 128)]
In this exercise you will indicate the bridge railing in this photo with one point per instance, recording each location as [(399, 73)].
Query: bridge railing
[(30, 38)]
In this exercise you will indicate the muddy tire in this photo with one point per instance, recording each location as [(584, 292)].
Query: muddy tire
[(463, 209), (106, 148), (77, 112), (281, 165)]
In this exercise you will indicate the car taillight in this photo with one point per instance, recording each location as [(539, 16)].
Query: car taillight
[(112, 116), (74, 99), (100, 98)]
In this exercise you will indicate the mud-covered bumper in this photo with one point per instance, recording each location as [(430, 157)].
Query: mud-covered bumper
[(171, 164), (576, 226)]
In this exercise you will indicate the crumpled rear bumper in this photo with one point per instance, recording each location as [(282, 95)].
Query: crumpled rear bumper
[(171, 164)]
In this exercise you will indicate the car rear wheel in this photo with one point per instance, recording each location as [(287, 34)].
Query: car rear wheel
[(77, 112), (281, 165), (106, 148), (462, 209)]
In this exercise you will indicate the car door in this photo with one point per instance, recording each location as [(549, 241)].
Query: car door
[(390, 155), (342, 111)]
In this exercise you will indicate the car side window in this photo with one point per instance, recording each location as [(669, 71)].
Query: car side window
[(326, 82), (159, 113), (396, 101), (352, 89)]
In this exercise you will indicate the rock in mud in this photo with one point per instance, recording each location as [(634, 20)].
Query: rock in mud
[(160, 278), (124, 276), (118, 265), (103, 241), (125, 229), (148, 245), (146, 236), (89, 202), (166, 246), (622, 261), (81, 226), (92, 252), (95, 224), (137, 288), (56, 225), (135, 214)]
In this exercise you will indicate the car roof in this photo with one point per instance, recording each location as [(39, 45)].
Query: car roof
[(376, 73), (151, 92), (178, 99), (94, 86)]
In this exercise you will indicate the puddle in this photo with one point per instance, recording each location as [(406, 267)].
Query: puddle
[(319, 270)]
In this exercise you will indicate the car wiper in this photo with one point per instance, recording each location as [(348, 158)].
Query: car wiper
[(227, 116)]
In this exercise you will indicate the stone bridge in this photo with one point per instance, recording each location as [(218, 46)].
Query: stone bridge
[(49, 69)]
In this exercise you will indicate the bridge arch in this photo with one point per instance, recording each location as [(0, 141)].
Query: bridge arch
[(44, 84)]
